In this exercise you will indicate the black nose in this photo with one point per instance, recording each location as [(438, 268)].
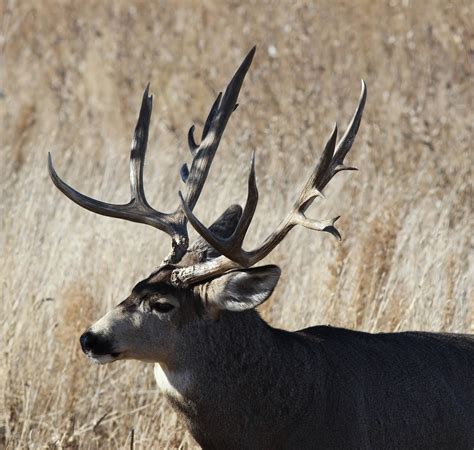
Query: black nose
[(88, 339), (96, 343)]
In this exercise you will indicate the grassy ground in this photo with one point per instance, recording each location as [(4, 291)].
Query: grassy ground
[(71, 79)]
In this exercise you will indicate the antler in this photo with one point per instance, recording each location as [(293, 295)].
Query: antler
[(138, 208), (330, 163)]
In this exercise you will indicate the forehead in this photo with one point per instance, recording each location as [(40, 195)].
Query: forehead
[(153, 286), (145, 289), (156, 283), (148, 287)]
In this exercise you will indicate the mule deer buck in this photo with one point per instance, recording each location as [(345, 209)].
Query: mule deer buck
[(237, 382)]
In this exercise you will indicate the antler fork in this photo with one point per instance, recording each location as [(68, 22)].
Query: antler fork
[(138, 209), (234, 256)]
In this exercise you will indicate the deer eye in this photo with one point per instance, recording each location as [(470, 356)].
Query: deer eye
[(161, 307)]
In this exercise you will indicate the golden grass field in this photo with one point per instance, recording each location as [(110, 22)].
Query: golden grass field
[(71, 79)]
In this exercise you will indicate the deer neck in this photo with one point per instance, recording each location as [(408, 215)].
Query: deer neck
[(214, 349), (235, 369)]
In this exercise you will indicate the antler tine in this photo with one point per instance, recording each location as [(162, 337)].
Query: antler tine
[(193, 147), (330, 163), (137, 209), (332, 159), (214, 127), (191, 142), (345, 144), (138, 148), (231, 247), (211, 116)]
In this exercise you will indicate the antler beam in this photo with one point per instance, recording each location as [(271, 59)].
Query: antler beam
[(330, 163), (138, 209)]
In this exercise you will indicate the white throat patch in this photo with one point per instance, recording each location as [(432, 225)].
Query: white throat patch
[(171, 382)]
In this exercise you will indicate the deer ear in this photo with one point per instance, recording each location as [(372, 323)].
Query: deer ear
[(243, 289), (200, 250)]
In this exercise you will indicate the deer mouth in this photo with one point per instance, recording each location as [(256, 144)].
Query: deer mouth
[(103, 358)]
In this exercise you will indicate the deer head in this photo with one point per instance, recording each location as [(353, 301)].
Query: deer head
[(196, 285)]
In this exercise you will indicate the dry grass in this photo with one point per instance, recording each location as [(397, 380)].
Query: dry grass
[(71, 77)]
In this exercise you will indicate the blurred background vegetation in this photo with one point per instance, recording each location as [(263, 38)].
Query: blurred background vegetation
[(71, 79)]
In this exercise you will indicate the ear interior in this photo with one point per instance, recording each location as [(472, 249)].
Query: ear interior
[(243, 289)]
